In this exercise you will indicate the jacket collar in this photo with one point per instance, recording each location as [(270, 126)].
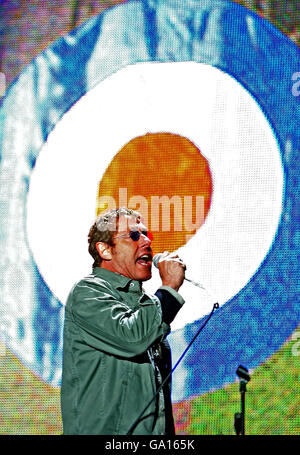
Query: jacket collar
[(120, 281)]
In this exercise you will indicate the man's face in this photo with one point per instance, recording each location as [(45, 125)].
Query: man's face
[(129, 257)]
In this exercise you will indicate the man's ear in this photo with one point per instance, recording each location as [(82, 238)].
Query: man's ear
[(104, 251)]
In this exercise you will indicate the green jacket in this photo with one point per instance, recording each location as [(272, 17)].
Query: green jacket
[(115, 355)]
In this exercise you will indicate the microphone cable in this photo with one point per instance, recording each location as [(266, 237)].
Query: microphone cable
[(215, 307)]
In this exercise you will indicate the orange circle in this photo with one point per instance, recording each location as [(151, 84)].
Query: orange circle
[(165, 177)]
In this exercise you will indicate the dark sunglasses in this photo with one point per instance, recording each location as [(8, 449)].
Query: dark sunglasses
[(135, 235)]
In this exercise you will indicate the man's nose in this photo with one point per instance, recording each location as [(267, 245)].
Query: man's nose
[(146, 239)]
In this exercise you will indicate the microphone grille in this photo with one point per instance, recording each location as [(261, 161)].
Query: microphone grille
[(156, 258)]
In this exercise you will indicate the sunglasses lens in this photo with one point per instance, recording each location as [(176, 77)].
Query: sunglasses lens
[(134, 235)]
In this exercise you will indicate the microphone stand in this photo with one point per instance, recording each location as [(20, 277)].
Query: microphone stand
[(215, 307), (239, 418)]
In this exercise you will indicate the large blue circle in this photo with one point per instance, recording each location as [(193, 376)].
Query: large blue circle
[(255, 323)]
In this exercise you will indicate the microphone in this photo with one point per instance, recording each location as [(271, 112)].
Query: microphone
[(156, 259)]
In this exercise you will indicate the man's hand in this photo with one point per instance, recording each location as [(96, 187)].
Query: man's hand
[(171, 270)]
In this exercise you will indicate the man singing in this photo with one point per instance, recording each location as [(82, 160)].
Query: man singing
[(115, 353)]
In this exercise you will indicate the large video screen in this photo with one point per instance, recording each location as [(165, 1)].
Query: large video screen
[(191, 117)]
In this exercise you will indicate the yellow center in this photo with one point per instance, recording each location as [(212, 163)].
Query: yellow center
[(165, 177)]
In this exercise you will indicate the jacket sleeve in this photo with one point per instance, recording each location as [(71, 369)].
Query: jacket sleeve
[(107, 323), (171, 303)]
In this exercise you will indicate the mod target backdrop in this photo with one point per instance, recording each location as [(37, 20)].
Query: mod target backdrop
[(207, 91)]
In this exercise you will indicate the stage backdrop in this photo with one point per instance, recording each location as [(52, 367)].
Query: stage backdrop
[(190, 115)]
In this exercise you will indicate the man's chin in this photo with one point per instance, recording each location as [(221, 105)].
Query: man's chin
[(147, 278), (144, 273)]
